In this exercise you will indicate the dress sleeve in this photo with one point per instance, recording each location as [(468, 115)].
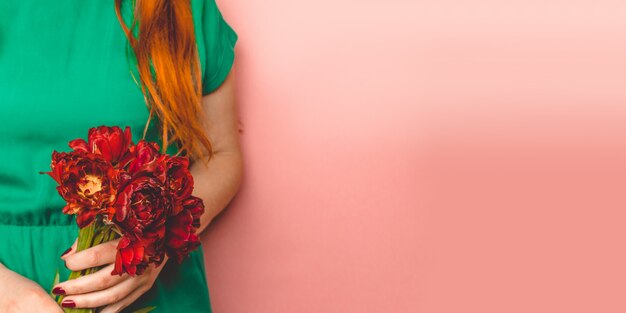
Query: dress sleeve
[(219, 41)]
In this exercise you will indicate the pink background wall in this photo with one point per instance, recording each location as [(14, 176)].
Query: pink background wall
[(426, 156)]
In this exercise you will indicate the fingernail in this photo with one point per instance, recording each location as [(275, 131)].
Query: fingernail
[(58, 291), (67, 251), (68, 304)]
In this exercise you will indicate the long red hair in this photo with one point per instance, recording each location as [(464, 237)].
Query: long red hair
[(166, 42)]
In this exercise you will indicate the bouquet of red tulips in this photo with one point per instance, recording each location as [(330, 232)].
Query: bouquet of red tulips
[(118, 189)]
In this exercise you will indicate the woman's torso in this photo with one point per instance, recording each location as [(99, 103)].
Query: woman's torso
[(63, 70)]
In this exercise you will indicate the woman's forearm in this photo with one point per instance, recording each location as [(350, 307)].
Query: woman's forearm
[(217, 183)]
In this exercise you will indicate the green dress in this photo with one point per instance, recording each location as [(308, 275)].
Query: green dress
[(64, 68)]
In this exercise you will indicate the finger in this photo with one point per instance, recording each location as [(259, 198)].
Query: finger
[(99, 280), (71, 250), (101, 254), (104, 297), (120, 305)]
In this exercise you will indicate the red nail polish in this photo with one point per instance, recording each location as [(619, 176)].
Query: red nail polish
[(68, 304), (58, 291), (67, 251)]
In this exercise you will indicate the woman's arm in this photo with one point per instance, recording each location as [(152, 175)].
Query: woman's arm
[(218, 182), (19, 294)]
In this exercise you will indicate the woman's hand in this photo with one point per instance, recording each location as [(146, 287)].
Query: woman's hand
[(101, 289), (19, 294)]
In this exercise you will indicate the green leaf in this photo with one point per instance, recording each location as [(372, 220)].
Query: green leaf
[(145, 310)]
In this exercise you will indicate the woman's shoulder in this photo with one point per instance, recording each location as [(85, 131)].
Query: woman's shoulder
[(216, 38)]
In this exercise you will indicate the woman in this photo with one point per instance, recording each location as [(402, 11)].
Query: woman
[(69, 65)]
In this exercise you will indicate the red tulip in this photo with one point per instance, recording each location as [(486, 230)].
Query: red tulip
[(87, 182), (130, 258), (110, 142), (180, 238), (178, 180)]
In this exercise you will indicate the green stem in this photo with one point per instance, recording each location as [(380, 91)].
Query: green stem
[(94, 234)]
